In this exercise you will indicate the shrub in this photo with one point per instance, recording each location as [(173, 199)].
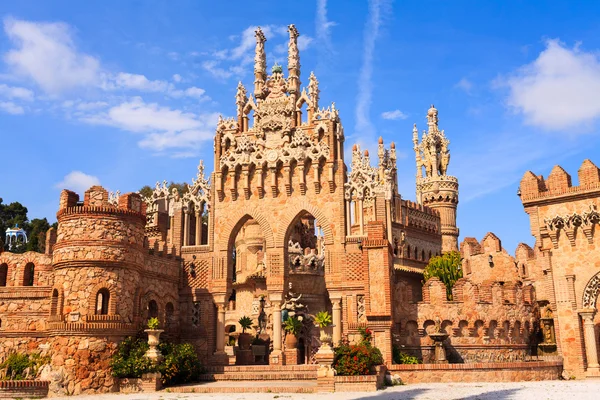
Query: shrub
[(181, 364), (403, 358), (130, 361), (18, 366), (356, 359)]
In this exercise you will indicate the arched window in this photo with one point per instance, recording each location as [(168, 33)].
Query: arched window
[(152, 309), (524, 270), (416, 253), (102, 299), (28, 276), (3, 274), (422, 255), (169, 315)]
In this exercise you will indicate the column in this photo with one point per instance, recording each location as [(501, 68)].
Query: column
[(591, 351), (198, 227), (221, 328), (361, 216), (348, 218), (186, 228), (388, 221), (171, 229), (277, 327), (337, 322)]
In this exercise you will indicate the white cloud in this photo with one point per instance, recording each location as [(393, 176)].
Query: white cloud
[(393, 115), (78, 182), (559, 89), (126, 80), (465, 85), (11, 92), (11, 108), (163, 127), (46, 54), (177, 78)]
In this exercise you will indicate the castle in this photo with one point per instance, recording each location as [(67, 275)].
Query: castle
[(282, 222)]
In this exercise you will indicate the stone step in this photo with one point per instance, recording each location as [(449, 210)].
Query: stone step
[(260, 376), (262, 368), (248, 386)]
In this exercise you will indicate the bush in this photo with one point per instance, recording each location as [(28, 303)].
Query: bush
[(19, 366), (357, 359), (180, 363), (130, 361), (403, 358)]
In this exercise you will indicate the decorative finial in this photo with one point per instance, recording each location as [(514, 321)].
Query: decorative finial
[(380, 140), (277, 69)]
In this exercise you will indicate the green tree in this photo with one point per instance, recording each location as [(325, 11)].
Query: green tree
[(445, 267), (37, 234), (16, 214), (146, 191)]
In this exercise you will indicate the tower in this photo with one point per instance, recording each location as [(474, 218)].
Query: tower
[(435, 189)]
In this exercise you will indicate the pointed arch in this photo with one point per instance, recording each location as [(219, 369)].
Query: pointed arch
[(238, 219), (292, 213)]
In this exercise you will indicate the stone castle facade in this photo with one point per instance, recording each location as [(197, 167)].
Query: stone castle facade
[(280, 224)]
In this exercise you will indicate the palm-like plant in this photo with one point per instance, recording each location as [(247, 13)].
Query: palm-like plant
[(293, 326), (246, 323)]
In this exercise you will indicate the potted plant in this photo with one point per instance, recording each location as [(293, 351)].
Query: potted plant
[(245, 339), (153, 332), (323, 320), (292, 327)]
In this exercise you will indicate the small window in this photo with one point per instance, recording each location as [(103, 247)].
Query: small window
[(54, 303), (102, 299), (29, 275), (169, 315), (3, 274)]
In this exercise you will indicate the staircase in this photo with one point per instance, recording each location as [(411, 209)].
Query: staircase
[(255, 379)]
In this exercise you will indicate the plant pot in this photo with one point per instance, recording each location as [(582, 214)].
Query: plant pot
[(153, 352), (154, 336), (244, 341), (291, 341)]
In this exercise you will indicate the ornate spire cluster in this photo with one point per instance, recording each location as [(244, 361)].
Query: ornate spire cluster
[(432, 153), (365, 181), (260, 61), (198, 192)]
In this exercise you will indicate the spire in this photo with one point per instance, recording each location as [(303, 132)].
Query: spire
[(241, 99), (293, 61), (432, 119), (313, 90), (260, 61)]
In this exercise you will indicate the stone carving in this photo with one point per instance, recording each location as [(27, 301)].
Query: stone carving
[(301, 262), (198, 192), (361, 309), (113, 198), (363, 181), (292, 307), (569, 223)]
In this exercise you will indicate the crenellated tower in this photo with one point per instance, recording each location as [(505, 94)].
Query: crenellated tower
[(435, 188)]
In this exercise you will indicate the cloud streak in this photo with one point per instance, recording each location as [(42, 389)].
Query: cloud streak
[(364, 126)]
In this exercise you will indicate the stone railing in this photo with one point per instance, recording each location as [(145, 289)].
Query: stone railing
[(23, 389)]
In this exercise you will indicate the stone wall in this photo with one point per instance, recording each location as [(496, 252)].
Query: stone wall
[(480, 372)]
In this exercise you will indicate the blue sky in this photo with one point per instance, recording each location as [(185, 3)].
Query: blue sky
[(125, 93)]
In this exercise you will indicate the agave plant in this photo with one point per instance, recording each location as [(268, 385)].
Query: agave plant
[(323, 319)]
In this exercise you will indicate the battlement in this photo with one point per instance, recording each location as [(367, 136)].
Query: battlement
[(420, 207), (559, 183), (97, 201), (468, 292)]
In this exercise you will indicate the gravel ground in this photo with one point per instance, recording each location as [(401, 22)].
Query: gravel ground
[(555, 390)]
